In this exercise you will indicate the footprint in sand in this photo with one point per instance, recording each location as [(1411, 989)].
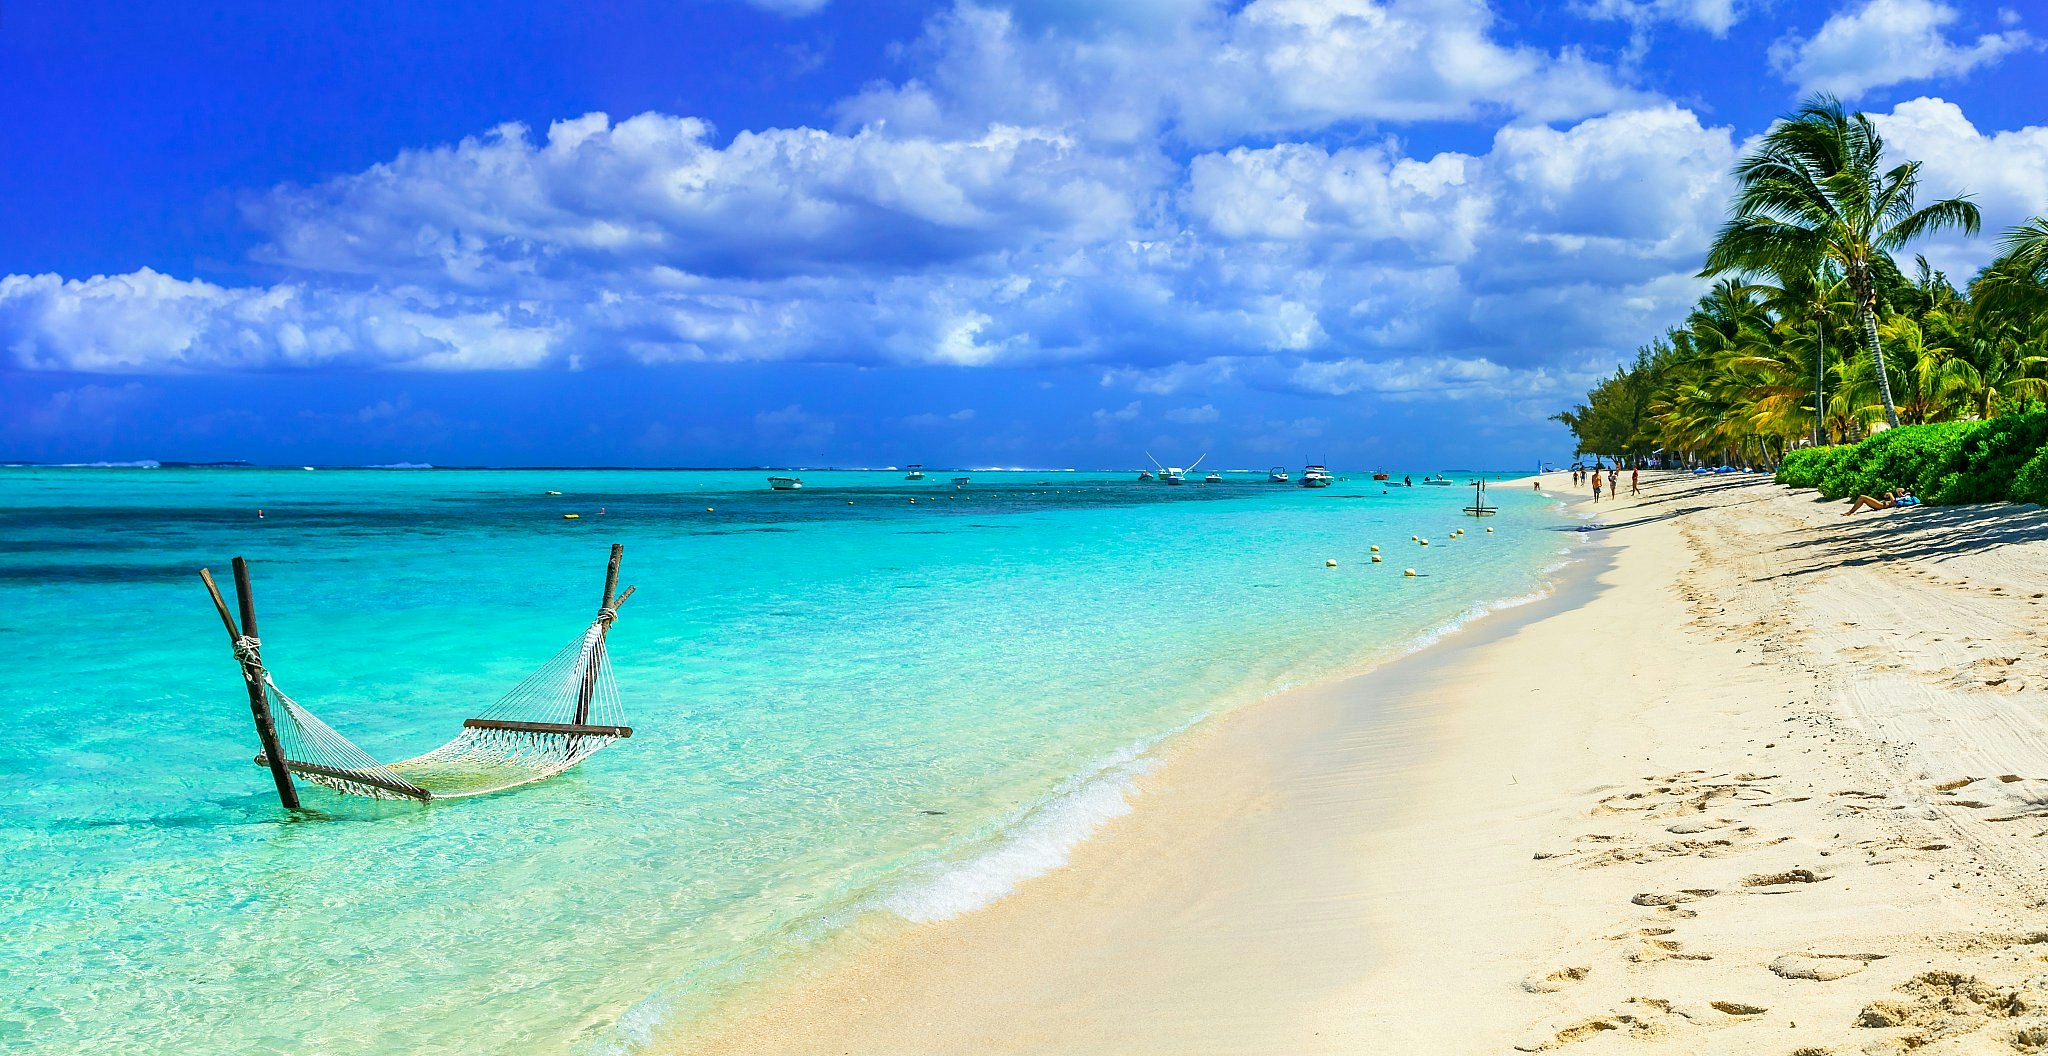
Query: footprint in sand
[(1651, 898), (1945, 1004), (1822, 967), (1552, 982), (1737, 1008), (1651, 951), (1784, 879)]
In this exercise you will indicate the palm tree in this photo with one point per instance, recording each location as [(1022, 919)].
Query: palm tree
[(1936, 383), (1809, 296), (2016, 284), (1814, 192)]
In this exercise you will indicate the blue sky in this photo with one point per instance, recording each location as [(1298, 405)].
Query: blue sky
[(812, 232)]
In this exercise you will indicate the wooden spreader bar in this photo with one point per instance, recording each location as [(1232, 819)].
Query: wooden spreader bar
[(402, 788), (549, 727)]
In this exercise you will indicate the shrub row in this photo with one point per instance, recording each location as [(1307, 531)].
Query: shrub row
[(2004, 459)]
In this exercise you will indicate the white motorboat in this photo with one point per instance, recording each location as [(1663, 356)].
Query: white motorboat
[(1439, 481), (785, 483), (916, 472), (1213, 478), (1315, 476), (961, 482), (1277, 475), (1173, 474)]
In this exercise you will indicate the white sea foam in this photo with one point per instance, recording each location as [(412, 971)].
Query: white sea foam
[(1031, 843)]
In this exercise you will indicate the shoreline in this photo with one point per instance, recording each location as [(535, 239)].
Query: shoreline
[(883, 929), (1684, 809), (1108, 790)]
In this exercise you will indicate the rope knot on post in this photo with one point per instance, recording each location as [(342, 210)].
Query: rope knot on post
[(246, 647), (608, 614)]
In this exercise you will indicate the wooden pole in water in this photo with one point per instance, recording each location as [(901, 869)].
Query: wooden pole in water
[(588, 689), (252, 676)]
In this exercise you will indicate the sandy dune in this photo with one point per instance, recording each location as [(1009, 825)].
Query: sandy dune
[(1762, 779)]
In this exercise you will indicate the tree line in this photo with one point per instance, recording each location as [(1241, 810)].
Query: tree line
[(1813, 333)]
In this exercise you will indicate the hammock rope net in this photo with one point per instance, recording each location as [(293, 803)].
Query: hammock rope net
[(567, 710)]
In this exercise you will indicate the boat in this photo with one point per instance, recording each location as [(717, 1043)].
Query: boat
[(1439, 481), (785, 483), (1173, 474), (1316, 476), (1277, 475), (1479, 508), (1213, 478), (961, 482), (1145, 475), (916, 472), (1381, 475)]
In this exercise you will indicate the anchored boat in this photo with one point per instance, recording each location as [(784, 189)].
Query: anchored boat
[(786, 483), (1277, 475), (916, 472), (1316, 476)]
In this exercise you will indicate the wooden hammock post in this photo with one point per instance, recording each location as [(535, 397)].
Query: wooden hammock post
[(252, 675), (589, 687)]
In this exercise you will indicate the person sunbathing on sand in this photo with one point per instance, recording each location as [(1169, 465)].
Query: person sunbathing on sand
[(1898, 497)]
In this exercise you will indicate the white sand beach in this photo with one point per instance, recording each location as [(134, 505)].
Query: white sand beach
[(1756, 779)]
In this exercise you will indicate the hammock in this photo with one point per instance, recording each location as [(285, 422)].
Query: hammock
[(563, 713)]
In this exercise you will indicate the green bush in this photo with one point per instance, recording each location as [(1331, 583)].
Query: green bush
[(1805, 467), (2030, 484), (1944, 463)]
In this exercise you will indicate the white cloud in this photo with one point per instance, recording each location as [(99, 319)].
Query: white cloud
[(146, 321), (790, 8), (1714, 16), (1128, 412), (501, 212), (500, 253), (2004, 173), (928, 420), (1202, 415), (1885, 42), (86, 408), (1213, 75)]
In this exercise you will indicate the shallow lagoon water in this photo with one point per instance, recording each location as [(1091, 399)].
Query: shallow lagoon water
[(888, 704)]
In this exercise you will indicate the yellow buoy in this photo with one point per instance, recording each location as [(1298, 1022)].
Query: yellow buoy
[(1375, 559), (1407, 571), (1425, 542), (1412, 538), (849, 502), (1329, 562), (1489, 531), (1375, 549), (708, 509), (572, 516)]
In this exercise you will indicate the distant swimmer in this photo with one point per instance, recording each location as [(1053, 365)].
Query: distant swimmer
[(259, 515)]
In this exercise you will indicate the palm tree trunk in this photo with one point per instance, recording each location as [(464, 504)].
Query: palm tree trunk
[(1820, 370), (1884, 381)]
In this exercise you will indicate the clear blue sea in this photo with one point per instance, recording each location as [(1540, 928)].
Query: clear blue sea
[(845, 702)]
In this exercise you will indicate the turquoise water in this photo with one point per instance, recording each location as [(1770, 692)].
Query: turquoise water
[(844, 701)]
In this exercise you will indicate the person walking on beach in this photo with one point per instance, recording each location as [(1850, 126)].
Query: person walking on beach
[(1596, 484), (1635, 481)]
